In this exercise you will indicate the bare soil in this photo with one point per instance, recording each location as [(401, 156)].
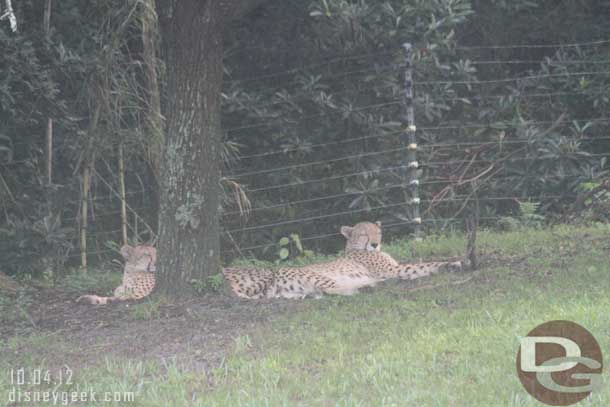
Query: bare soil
[(195, 333)]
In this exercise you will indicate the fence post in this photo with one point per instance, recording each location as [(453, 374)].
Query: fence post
[(409, 138)]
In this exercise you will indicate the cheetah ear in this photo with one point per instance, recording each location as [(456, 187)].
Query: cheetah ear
[(378, 223), (127, 251), (347, 231)]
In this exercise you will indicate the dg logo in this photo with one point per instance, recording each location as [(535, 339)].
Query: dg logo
[(560, 363)]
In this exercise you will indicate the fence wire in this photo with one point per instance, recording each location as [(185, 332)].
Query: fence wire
[(301, 211)]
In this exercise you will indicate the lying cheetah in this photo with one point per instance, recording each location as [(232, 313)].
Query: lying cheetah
[(138, 276), (364, 264), (381, 265)]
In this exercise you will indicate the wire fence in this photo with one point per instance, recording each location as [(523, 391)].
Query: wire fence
[(308, 190)]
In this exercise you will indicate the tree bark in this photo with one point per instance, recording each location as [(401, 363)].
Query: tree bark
[(189, 245), (234, 9), (189, 230), (154, 120)]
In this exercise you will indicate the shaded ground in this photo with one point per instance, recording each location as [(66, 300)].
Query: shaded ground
[(196, 332)]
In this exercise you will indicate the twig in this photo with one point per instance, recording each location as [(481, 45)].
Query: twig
[(235, 244)]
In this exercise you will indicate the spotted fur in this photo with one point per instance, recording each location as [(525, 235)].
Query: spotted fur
[(138, 276), (363, 264), (382, 266)]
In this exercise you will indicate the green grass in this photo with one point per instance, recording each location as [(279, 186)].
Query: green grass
[(451, 343), (148, 309), (93, 281)]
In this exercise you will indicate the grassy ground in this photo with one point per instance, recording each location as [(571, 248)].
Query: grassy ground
[(450, 340)]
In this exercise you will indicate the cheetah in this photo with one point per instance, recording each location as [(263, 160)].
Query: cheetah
[(381, 265), (138, 276), (363, 264)]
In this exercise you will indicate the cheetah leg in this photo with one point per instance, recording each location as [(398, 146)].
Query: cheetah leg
[(95, 299), (292, 295), (342, 290)]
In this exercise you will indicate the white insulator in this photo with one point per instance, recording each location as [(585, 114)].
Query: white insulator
[(415, 200), (413, 164), (414, 182), (417, 220), (412, 128), (412, 146)]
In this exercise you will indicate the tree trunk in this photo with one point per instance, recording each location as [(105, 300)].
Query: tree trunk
[(154, 121), (189, 245)]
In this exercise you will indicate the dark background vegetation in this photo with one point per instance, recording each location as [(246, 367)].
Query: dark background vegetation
[(311, 118)]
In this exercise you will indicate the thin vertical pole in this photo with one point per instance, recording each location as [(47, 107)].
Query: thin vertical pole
[(49, 151), (122, 192), (409, 130), (46, 23), (84, 218), (46, 19)]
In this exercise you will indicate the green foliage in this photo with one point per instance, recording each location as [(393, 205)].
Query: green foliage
[(35, 247), (529, 214), (311, 100), (290, 247), (528, 218), (323, 103), (595, 201), (211, 284), (102, 282), (339, 74), (508, 224), (148, 309), (85, 77)]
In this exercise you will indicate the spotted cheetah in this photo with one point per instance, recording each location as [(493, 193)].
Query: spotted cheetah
[(381, 265), (363, 264), (138, 276)]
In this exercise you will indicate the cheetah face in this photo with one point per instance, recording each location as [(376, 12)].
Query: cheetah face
[(139, 258), (363, 236)]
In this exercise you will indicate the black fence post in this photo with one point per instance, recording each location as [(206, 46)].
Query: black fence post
[(409, 137)]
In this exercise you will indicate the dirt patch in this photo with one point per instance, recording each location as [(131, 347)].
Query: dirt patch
[(196, 332)]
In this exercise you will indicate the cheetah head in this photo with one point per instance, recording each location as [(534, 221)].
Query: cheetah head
[(363, 236), (139, 258)]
